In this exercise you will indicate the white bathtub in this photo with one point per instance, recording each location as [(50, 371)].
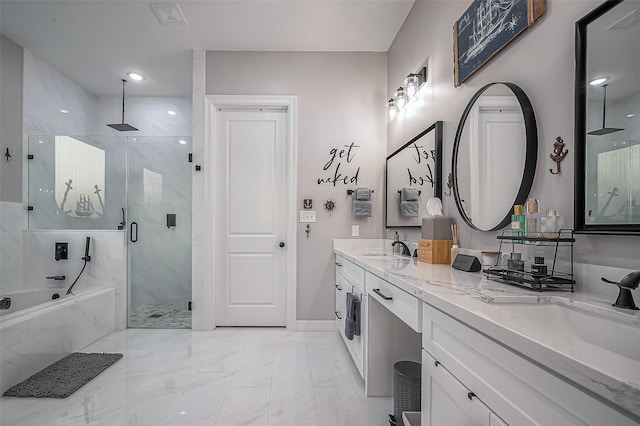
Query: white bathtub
[(24, 299), (36, 336)]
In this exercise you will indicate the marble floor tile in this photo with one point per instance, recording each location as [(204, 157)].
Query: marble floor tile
[(225, 377), (245, 407)]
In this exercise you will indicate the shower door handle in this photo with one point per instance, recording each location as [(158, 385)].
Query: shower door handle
[(131, 234)]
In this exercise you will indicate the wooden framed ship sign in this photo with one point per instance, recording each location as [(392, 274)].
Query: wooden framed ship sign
[(485, 28)]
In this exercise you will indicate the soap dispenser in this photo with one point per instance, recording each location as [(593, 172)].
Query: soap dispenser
[(397, 248)]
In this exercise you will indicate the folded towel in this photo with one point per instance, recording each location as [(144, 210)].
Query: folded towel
[(361, 208), (409, 194), (352, 317), (363, 194), (409, 208)]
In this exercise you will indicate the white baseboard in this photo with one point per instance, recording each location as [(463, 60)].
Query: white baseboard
[(315, 325)]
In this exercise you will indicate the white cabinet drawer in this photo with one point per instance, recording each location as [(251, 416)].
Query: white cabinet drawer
[(403, 305), (351, 271), (446, 401), (520, 392)]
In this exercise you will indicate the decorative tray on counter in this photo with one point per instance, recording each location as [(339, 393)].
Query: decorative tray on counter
[(555, 280)]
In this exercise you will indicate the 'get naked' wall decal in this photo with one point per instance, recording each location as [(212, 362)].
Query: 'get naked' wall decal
[(336, 160)]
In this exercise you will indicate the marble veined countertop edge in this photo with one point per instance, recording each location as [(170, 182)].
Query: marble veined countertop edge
[(479, 303)]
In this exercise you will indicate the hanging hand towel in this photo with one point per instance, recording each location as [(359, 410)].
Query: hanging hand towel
[(409, 202), (356, 316), (349, 317), (362, 202)]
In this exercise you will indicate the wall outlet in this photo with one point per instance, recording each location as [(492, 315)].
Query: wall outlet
[(355, 230)]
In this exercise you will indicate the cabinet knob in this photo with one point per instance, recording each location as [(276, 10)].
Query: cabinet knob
[(470, 395), (338, 287), (437, 363)]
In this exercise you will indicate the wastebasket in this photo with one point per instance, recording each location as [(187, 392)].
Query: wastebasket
[(407, 378)]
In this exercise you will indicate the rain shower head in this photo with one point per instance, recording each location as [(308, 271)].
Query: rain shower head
[(604, 130), (122, 127)]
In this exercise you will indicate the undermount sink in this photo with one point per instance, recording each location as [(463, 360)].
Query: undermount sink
[(613, 331)]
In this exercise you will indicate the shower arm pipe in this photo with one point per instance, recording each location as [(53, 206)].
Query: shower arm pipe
[(604, 104), (123, 83)]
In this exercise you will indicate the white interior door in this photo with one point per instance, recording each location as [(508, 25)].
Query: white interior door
[(250, 164)]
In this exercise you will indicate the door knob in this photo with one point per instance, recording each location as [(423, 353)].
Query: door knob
[(281, 244)]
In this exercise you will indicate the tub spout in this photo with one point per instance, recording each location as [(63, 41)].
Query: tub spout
[(57, 277)]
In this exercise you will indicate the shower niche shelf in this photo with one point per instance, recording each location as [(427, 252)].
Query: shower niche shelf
[(554, 280)]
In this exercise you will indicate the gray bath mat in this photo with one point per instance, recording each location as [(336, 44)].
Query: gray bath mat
[(62, 378)]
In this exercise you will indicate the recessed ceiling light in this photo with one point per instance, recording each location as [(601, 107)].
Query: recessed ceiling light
[(135, 76), (64, 111), (630, 115), (597, 81), (171, 112), (182, 142)]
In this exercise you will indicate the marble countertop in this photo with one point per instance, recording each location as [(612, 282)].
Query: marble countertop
[(492, 308)]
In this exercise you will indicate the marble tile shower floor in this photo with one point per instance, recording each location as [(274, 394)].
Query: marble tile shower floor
[(159, 316), (226, 377)]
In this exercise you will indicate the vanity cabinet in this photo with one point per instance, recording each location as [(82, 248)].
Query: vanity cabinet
[(350, 279), (514, 390), (446, 401)]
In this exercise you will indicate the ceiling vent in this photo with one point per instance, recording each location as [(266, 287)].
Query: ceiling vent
[(629, 21), (168, 13)]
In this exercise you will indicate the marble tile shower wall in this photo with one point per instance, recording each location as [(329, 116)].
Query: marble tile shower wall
[(11, 226), (47, 91), (107, 268), (160, 267)]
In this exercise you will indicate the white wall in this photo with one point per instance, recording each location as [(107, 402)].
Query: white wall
[(541, 62), (341, 99)]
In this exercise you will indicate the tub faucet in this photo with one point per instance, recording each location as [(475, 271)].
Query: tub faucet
[(627, 283), (5, 303), (405, 249), (56, 277)]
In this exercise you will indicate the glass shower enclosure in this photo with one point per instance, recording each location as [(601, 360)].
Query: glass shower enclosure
[(139, 186)]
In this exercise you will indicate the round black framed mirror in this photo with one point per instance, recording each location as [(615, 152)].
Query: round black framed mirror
[(494, 155)]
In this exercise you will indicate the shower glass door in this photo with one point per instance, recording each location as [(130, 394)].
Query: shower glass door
[(159, 232)]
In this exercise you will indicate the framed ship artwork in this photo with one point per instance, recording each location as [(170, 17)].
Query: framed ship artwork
[(485, 28)]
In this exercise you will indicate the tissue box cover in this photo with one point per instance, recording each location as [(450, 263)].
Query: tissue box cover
[(436, 228)]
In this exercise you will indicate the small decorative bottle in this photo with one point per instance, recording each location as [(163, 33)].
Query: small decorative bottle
[(396, 249), (532, 221), (454, 252), (518, 224)]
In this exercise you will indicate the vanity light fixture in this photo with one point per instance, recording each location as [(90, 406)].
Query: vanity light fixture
[(401, 98), (392, 109), (135, 76), (414, 82), (597, 81), (397, 106)]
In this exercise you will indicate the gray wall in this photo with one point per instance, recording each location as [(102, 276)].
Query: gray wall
[(541, 62), (11, 120), (341, 99)]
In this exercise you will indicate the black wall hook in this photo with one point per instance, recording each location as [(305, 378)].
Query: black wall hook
[(6, 154)]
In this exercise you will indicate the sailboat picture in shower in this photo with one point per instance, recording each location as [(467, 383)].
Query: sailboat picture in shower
[(486, 27)]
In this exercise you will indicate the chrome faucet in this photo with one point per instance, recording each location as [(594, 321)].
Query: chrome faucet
[(405, 249), (627, 283)]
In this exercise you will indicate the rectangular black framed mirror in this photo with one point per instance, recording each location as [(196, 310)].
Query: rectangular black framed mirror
[(413, 174), (607, 121)]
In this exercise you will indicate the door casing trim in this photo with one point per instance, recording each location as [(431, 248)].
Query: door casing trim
[(212, 105)]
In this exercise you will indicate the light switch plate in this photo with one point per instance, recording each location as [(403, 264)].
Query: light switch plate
[(307, 216), (355, 230)]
